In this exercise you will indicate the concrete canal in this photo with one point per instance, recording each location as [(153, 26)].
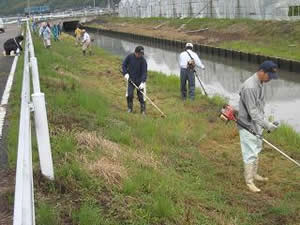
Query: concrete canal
[(223, 76)]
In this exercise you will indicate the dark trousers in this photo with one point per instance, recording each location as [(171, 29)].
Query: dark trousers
[(8, 47), (130, 93), (187, 76)]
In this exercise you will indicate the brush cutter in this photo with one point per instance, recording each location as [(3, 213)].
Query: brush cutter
[(228, 113), (143, 93), (201, 83)]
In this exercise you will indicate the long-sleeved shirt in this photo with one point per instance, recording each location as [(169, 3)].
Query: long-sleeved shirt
[(252, 104), (86, 37), (77, 32), (136, 68), (46, 33), (184, 58)]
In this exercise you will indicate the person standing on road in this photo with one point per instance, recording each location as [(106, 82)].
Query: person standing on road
[(251, 115), (86, 43), (135, 70), (188, 60)]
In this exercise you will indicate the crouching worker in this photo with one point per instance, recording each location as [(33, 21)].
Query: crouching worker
[(135, 71), (13, 45), (251, 116)]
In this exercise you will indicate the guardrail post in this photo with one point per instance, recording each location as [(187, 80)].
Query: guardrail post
[(42, 135)]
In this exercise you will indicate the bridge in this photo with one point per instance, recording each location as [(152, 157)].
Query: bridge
[(81, 16)]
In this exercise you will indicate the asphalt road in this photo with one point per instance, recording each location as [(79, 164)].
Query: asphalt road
[(5, 66)]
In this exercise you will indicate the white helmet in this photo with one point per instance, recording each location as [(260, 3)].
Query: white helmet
[(189, 45)]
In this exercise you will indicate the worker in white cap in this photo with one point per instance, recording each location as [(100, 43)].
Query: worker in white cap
[(188, 60)]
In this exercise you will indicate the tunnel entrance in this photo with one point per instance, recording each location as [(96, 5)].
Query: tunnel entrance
[(70, 25)]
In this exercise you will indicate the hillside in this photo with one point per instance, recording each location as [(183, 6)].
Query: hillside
[(11, 7), (115, 168)]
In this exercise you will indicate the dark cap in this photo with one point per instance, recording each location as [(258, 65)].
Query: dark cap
[(139, 49), (270, 68)]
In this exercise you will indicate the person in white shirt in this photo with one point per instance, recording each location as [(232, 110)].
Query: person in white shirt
[(86, 42), (188, 60)]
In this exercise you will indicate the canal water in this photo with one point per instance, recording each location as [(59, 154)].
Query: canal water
[(222, 76)]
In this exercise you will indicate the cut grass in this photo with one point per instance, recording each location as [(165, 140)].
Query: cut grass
[(112, 167)]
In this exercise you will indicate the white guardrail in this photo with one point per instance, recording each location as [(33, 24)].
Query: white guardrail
[(24, 212)]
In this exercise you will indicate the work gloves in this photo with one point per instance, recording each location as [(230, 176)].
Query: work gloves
[(126, 76), (272, 126), (142, 86)]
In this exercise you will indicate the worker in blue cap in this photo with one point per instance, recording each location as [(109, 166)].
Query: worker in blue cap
[(251, 115)]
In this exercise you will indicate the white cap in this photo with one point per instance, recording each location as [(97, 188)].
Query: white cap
[(189, 45)]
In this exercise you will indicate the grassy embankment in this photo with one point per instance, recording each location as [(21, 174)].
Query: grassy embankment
[(271, 38), (113, 168)]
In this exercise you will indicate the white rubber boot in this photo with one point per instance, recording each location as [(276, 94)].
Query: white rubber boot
[(249, 177), (256, 175)]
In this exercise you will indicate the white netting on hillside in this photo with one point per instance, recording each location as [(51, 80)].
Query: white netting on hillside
[(255, 9)]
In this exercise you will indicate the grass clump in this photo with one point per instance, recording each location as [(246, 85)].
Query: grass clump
[(47, 214), (87, 214)]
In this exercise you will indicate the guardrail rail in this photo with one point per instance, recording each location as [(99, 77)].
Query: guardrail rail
[(24, 211)]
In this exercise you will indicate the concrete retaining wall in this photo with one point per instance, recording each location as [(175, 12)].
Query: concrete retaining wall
[(284, 64)]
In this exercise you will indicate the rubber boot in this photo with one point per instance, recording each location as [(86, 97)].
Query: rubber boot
[(249, 177), (83, 52), (256, 175), (143, 108), (129, 105)]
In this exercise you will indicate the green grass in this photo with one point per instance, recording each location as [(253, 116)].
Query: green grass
[(87, 214), (47, 214), (270, 38), (114, 168)]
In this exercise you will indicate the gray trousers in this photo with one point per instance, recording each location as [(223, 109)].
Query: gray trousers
[(187, 76)]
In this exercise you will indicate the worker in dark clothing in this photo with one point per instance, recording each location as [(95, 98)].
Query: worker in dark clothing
[(12, 45), (135, 70)]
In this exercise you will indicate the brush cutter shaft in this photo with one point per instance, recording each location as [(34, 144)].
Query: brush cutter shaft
[(147, 98), (228, 114), (267, 142), (201, 83), (281, 152)]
